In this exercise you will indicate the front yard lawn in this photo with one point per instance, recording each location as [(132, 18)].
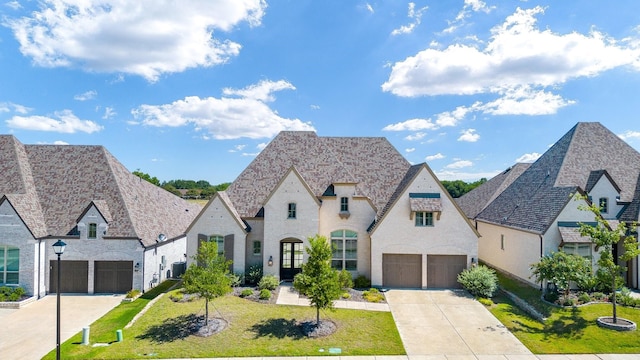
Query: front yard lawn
[(254, 329), (571, 330)]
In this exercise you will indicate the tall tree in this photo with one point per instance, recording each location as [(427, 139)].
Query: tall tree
[(318, 281), (606, 238), (207, 277)]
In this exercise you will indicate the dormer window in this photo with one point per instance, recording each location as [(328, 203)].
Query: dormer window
[(93, 231), (291, 214), (424, 218), (424, 206), (604, 205)]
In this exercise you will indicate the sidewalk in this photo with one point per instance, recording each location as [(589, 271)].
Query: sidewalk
[(288, 296)]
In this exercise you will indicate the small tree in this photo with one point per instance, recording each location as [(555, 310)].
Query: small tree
[(561, 269), (318, 281), (606, 238), (207, 277)]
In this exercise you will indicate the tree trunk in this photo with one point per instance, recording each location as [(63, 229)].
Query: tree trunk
[(206, 312), (317, 316), (613, 299)]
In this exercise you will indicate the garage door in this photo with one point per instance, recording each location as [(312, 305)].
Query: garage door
[(443, 270), (74, 276), (402, 270), (113, 276)]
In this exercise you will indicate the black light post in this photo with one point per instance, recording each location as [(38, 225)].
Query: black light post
[(58, 248)]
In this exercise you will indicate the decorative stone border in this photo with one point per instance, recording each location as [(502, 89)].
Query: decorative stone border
[(525, 306), (17, 304), (621, 325)]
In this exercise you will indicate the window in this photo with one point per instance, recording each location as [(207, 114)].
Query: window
[(219, 240), (93, 231), (604, 205), (501, 242), (345, 250), (257, 247), (9, 265), (424, 218), (292, 211), (583, 250), (344, 204)]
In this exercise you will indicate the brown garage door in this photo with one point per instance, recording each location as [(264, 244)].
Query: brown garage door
[(113, 276), (402, 270), (74, 276), (443, 270)]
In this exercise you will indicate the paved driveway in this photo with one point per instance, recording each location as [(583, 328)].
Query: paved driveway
[(30, 332), (449, 323)]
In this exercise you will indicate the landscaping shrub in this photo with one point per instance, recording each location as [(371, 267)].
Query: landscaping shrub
[(480, 281), (265, 294), (584, 298), (246, 292), (345, 279), (373, 295), (361, 282), (346, 295), (132, 293), (8, 293), (568, 302), (485, 301), (551, 296), (254, 274), (268, 282), (599, 296), (236, 279)]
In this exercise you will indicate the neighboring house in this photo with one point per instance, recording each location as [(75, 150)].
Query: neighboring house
[(529, 211), (387, 220), (121, 232)]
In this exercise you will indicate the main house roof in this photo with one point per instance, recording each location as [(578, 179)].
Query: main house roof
[(371, 163), (50, 186), (535, 198)]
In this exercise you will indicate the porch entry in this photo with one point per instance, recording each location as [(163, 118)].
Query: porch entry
[(291, 255)]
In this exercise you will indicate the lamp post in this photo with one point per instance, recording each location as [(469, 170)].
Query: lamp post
[(58, 248)]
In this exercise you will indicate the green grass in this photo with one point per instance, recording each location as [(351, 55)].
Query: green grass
[(254, 330), (566, 330)]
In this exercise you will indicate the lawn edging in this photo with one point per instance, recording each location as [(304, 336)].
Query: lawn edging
[(525, 306)]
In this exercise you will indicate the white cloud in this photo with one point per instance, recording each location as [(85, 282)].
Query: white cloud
[(109, 112), (14, 5), (465, 176), (443, 119), (518, 54), (469, 6), (65, 122), (262, 91), (237, 148), (145, 37), (225, 118), (437, 156), (411, 125), (315, 107), (60, 142), (413, 14), (469, 135), (12, 107), (459, 164), (261, 146), (416, 136), (88, 95), (528, 158), (630, 135), (525, 101), (369, 8), (409, 150)]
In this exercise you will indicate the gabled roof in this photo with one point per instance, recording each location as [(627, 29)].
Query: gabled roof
[(226, 202), (595, 176), (537, 196), (370, 162), (56, 183), (473, 202)]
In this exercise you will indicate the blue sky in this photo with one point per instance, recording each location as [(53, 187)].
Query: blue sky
[(195, 89)]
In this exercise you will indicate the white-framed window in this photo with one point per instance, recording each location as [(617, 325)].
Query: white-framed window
[(424, 218), (604, 205), (344, 204), (9, 265), (257, 247), (345, 250), (291, 211), (219, 240), (582, 249), (93, 231)]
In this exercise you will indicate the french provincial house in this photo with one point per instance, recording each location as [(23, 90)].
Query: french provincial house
[(386, 219), (121, 232), (529, 210)]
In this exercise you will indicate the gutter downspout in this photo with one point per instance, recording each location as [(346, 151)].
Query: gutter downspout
[(39, 267), (541, 287)]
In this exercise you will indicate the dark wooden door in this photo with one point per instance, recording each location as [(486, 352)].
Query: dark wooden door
[(402, 270), (291, 255), (74, 276), (113, 276)]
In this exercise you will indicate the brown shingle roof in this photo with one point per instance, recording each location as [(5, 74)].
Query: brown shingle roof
[(371, 163), (65, 179)]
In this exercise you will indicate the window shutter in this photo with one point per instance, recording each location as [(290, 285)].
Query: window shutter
[(201, 238), (228, 249)]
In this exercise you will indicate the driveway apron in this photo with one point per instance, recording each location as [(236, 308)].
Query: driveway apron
[(449, 322), (30, 332)]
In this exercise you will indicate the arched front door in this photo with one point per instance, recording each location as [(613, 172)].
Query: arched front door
[(291, 255)]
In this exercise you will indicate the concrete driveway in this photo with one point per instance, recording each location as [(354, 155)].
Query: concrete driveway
[(449, 323), (30, 332)]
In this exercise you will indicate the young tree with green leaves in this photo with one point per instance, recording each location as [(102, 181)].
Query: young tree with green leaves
[(318, 281), (606, 238), (561, 269), (207, 277)]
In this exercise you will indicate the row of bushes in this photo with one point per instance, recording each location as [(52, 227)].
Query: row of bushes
[(11, 293), (254, 276)]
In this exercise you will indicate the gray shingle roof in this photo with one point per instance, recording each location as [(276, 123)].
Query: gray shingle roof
[(370, 162), (535, 198), (62, 180), (473, 202)]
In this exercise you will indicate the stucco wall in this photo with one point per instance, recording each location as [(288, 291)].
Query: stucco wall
[(397, 233)]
